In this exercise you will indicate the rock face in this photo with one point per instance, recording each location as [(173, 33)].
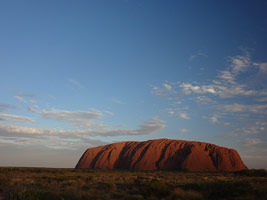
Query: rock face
[(162, 154)]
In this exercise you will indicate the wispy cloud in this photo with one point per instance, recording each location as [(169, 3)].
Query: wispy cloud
[(117, 101), (262, 66), (77, 118), (4, 106), (256, 109), (149, 127), (108, 112), (75, 83), (225, 86), (21, 99), (188, 88), (213, 119), (159, 91), (259, 127), (33, 101), (183, 130), (252, 141), (233, 94), (204, 100), (197, 55), (30, 108), (167, 86), (19, 131), (184, 115), (49, 138), (240, 63), (14, 118)]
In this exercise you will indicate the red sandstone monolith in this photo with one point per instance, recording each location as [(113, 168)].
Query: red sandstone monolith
[(162, 154)]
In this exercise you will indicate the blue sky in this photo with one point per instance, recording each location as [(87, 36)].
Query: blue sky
[(78, 74)]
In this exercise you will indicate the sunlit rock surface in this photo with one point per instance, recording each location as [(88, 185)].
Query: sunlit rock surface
[(162, 154)]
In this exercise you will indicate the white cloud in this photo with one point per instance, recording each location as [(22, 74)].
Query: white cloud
[(204, 99), (14, 118), (252, 141), (259, 127), (188, 88), (50, 138), (150, 127), (234, 108), (220, 89), (183, 130), (78, 118), (88, 127), (227, 76), (177, 103), (21, 99), (11, 130), (171, 113), (213, 119), (240, 63), (184, 116), (256, 109), (71, 116), (227, 85), (167, 86)]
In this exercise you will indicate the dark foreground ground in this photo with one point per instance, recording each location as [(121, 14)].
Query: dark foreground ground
[(59, 184)]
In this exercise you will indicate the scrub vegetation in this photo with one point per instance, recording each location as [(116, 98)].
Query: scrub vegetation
[(74, 184)]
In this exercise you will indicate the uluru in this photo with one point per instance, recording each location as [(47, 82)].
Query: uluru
[(162, 154)]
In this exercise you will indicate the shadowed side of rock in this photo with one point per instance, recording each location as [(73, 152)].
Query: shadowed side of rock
[(162, 154)]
